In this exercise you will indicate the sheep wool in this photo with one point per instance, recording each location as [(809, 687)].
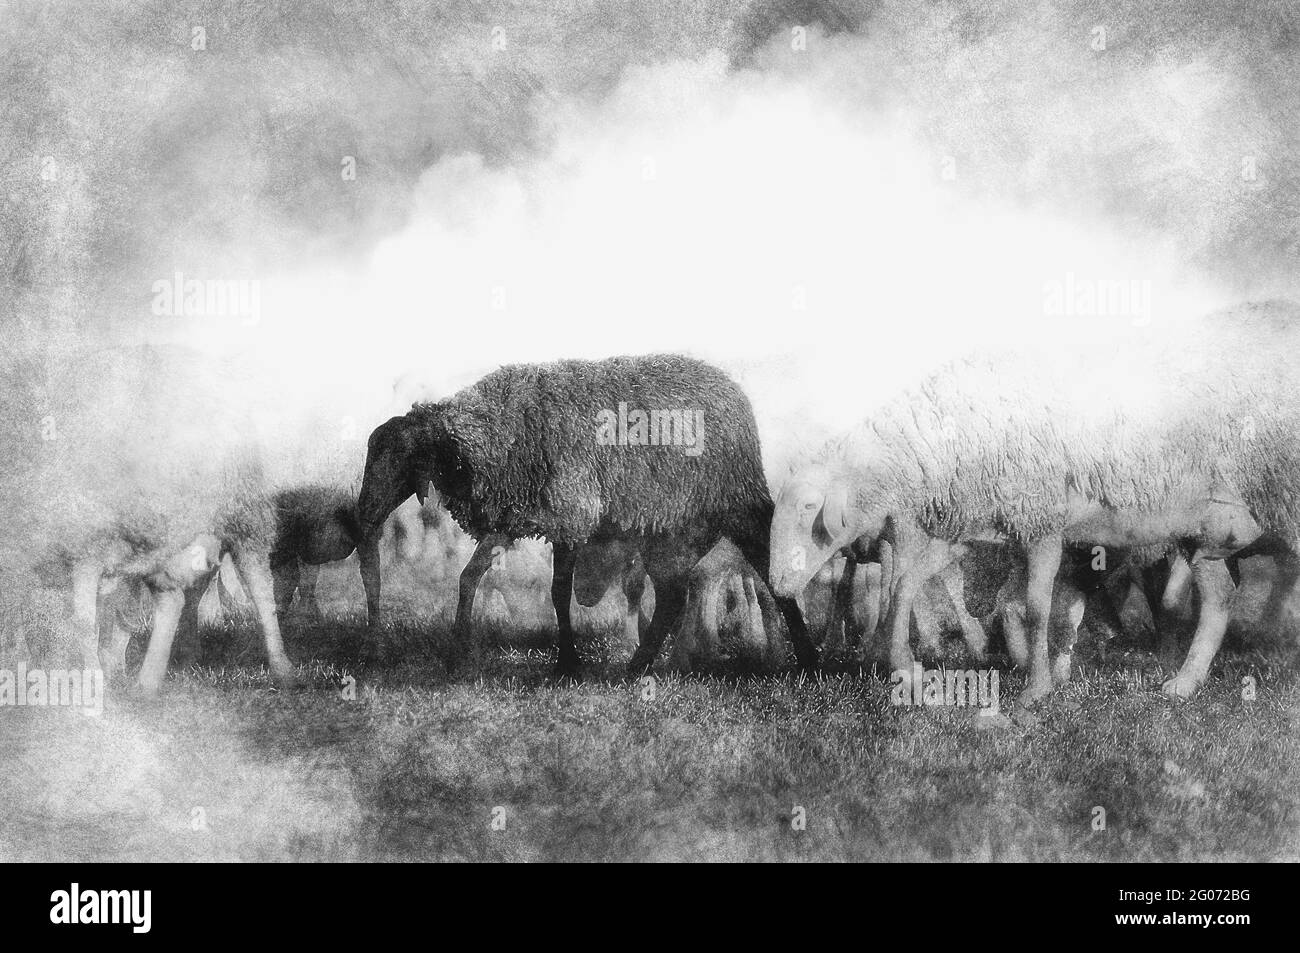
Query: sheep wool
[(997, 442), (526, 451)]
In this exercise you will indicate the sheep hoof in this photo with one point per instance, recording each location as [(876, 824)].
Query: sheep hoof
[(285, 678), (640, 664), (1181, 687), (806, 656), (146, 690), (567, 670), (1061, 668), (1034, 693)]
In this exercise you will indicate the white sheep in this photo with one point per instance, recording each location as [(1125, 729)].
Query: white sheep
[(1187, 438)]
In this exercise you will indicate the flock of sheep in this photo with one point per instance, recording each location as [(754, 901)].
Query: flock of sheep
[(1178, 451)]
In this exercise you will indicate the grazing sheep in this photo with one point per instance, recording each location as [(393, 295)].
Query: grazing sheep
[(314, 525), (660, 452), (1188, 439), (1082, 582), (170, 570), (730, 618), (598, 568), (1079, 585), (863, 569), (128, 467)]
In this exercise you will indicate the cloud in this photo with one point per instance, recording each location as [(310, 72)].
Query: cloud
[(826, 198)]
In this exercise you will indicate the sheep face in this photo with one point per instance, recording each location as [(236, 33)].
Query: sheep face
[(812, 522), (391, 474)]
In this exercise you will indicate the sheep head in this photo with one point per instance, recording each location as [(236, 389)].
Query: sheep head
[(398, 461), (395, 469), (815, 517)]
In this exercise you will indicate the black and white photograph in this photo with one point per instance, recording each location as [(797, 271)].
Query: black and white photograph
[(621, 431)]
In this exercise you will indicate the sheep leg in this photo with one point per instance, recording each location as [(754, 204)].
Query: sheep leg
[(1281, 597), (167, 607), (479, 563), (763, 618), (1011, 613), (697, 644), (757, 555), (911, 572), (633, 592), (871, 586), (284, 581), (85, 600), (1069, 603), (230, 594), (567, 663), (670, 598), (408, 530), (1152, 580), (254, 571), (1104, 602), (886, 587), (804, 650), (837, 625), (368, 557), (112, 658), (185, 647), (1043, 558), (1215, 587), (928, 637), (1171, 601), (977, 640), (307, 576)]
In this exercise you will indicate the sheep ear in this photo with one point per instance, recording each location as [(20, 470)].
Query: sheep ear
[(835, 511)]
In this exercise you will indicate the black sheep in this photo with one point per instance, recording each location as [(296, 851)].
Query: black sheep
[(660, 451)]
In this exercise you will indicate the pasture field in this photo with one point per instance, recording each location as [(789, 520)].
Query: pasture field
[(405, 764)]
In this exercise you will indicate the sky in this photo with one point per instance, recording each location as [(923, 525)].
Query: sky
[(828, 199)]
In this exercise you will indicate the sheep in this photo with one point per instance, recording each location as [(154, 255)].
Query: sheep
[(598, 568), (315, 524), (730, 617), (660, 452), (1083, 581), (1190, 439), (945, 592), (139, 476), (170, 571), (863, 569)]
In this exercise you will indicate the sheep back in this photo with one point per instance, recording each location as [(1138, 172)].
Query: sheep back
[(518, 452)]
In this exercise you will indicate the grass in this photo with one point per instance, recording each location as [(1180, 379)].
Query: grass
[(412, 765)]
